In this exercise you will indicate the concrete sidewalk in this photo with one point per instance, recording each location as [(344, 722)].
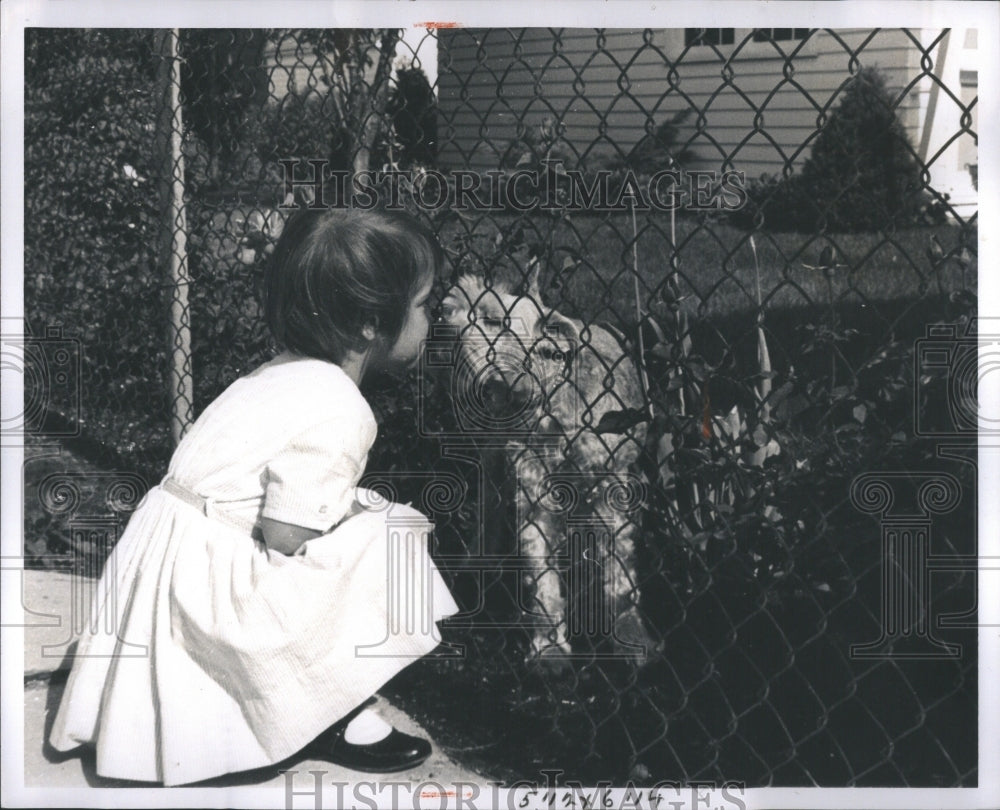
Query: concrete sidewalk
[(53, 601)]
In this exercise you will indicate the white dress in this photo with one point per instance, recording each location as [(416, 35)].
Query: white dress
[(213, 655)]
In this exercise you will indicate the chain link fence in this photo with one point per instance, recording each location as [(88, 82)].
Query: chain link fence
[(652, 388)]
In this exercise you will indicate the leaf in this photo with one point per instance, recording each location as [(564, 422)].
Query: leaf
[(662, 350), (760, 437), (860, 412), (653, 337), (664, 447), (620, 421)]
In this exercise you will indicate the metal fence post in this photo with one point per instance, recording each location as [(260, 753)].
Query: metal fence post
[(180, 385)]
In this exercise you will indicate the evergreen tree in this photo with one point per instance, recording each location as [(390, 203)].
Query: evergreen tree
[(413, 110), (863, 173)]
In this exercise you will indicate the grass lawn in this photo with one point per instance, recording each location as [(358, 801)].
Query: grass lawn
[(716, 270)]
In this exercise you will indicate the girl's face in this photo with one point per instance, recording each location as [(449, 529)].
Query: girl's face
[(406, 350)]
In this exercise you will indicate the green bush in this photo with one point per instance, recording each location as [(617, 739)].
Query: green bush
[(413, 110), (778, 205), (660, 149), (863, 173), (222, 76), (863, 169), (301, 127), (92, 224)]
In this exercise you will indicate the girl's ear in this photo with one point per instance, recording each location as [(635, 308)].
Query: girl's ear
[(370, 331)]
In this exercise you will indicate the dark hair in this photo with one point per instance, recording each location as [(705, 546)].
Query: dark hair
[(336, 270)]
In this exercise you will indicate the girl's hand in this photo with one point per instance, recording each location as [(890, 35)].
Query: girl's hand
[(285, 537), (356, 509), (289, 538)]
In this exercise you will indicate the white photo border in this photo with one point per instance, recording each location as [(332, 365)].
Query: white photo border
[(16, 16)]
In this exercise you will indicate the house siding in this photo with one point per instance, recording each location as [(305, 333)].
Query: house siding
[(608, 88)]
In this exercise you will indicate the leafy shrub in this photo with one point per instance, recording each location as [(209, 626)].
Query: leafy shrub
[(543, 148), (658, 150), (92, 225), (300, 127), (228, 248), (779, 205), (862, 174), (759, 503), (539, 147), (221, 76), (863, 168)]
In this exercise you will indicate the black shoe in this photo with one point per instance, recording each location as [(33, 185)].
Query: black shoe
[(395, 752)]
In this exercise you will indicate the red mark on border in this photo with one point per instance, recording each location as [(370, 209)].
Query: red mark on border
[(435, 25)]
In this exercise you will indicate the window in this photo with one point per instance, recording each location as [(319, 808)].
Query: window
[(708, 36), (779, 34), (747, 43)]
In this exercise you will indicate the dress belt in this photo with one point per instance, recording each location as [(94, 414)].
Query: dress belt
[(204, 505)]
